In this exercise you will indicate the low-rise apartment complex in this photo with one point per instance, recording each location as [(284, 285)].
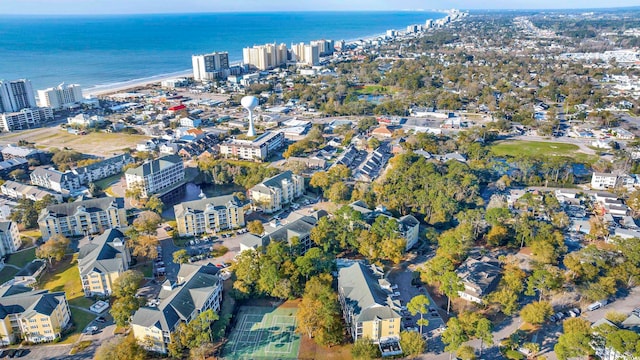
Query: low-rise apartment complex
[(156, 175), (368, 310), (62, 182), (198, 288), (209, 215), (102, 169), (271, 194), (16, 190), (81, 218), (101, 261), (258, 149), (32, 315), (9, 238)]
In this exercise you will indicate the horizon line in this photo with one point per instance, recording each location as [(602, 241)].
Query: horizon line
[(316, 10)]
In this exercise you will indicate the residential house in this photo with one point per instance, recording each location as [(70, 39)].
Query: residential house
[(101, 262), (209, 215), (85, 120), (32, 315), (102, 169), (368, 310), (62, 182), (271, 194), (479, 277), (408, 225), (198, 288), (81, 218), (602, 181), (9, 238), (157, 175), (382, 132)]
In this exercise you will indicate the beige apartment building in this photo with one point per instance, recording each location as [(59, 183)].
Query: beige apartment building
[(271, 194), (208, 216), (101, 261)]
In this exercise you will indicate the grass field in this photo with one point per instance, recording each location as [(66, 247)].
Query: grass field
[(7, 274), (263, 333), (541, 148), (22, 258), (375, 90), (103, 144), (108, 181), (65, 276)]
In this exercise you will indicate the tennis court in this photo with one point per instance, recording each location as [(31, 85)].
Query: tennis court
[(263, 333)]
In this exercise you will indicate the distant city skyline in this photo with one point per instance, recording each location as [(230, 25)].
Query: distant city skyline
[(36, 7)]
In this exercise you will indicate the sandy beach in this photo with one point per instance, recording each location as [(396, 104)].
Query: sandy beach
[(126, 85)]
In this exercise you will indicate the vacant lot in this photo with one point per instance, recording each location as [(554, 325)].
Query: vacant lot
[(541, 148), (100, 144)]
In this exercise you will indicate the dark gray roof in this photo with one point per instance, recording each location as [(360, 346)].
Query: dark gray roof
[(5, 226), (276, 181), (31, 268), (125, 158), (219, 202), (198, 282), (21, 299), (154, 166), (12, 163), (93, 205), (102, 254), (480, 275), (298, 228), (52, 174), (19, 151), (363, 294)]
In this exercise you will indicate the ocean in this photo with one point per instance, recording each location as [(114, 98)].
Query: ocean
[(101, 50)]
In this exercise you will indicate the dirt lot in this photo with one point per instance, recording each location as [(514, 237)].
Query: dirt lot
[(100, 144)]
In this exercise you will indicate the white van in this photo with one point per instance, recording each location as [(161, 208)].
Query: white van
[(596, 305)]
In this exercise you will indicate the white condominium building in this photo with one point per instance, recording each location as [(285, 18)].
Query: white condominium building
[(16, 95), (209, 215), (156, 175), (61, 96), (256, 150), (276, 191), (25, 119), (209, 66), (9, 237), (264, 57), (306, 54)]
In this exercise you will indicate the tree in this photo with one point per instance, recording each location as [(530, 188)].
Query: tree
[(450, 285), (147, 222), (154, 204), (319, 312), (17, 174), (483, 331), (181, 256), (255, 227), (412, 343), (127, 284), (454, 336), (536, 312), (365, 349), (544, 280), (202, 352), (466, 352), (54, 249), (123, 308), (126, 348), (576, 339), (419, 305), (192, 335)]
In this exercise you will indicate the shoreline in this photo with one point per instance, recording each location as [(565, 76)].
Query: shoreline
[(116, 87)]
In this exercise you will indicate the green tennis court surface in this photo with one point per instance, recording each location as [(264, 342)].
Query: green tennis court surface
[(263, 333)]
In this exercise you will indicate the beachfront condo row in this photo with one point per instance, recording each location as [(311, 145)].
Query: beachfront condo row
[(156, 175), (81, 218), (271, 194), (32, 315), (101, 260), (206, 216), (197, 289)]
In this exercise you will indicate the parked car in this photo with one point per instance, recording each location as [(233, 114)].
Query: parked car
[(91, 330), (100, 319), (553, 318)]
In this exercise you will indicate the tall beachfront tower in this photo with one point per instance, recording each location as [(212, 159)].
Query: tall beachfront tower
[(16, 95), (250, 103)]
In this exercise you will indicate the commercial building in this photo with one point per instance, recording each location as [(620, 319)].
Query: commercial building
[(16, 190), (258, 149), (32, 315), (368, 310), (61, 96), (25, 119), (209, 215), (156, 175), (274, 192), (16, 95), (81, 218), (8, 166), (102, 169), (101, 261), (209, 67), (62, 182), (264, 57), (198, 289), (9, 238)]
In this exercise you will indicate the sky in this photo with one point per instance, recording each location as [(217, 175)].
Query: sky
[(8, 7)]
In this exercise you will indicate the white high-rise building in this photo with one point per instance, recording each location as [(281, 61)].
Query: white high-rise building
[(263, 57), (16, 95), (210, 66), (325, 47), (61, 96), (306, 54)]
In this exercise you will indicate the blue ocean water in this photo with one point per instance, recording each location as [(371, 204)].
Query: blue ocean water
[(98, 50)]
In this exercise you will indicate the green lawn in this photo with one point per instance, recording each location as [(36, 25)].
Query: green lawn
[(106, 182), (146, 268), (7, 274), (375, 90), (22, 258), (541, 148), (65, 276), (81, 319)]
